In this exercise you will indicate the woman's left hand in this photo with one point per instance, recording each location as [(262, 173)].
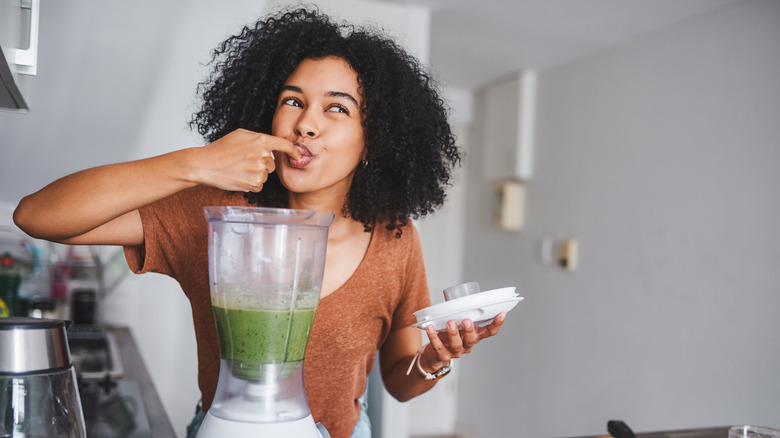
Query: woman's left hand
[(454, 343)]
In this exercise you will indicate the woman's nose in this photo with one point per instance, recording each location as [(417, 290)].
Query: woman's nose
[(307, 125)]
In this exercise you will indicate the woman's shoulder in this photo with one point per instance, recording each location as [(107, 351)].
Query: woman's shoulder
[(389, 238)]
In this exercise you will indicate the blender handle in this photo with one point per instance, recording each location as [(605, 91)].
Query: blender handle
[(323, 432)]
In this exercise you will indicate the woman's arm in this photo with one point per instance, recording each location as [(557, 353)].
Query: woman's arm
[(401, 346), (99, 205)]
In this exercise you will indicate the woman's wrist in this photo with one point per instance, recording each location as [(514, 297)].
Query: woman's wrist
[(192, 171), (433, 375), (425, 361)]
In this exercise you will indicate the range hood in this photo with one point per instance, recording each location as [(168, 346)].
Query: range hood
[(10, 96)]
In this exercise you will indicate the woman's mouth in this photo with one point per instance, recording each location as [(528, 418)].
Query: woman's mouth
[(306, 157)]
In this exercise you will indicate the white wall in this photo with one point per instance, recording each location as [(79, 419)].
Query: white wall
[(662, 157)]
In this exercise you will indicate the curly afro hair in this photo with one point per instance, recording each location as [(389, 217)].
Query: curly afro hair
[(410, 149)]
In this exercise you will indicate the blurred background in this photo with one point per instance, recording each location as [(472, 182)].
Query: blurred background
[(622, 171)]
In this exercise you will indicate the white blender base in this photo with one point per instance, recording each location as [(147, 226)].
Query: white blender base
[(215, 427)]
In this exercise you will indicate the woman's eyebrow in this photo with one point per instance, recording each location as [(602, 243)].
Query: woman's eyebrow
[(340, 94), (343, 95), (292, 88)]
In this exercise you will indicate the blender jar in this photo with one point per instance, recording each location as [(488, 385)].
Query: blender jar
[(38, 393), (265, 270)]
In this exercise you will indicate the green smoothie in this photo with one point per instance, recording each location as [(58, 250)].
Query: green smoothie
[(250, 338)]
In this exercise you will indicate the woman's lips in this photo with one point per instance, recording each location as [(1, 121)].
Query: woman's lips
[(306, 157)]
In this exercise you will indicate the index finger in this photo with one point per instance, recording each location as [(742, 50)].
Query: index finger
[(438, 346), (285, 146)]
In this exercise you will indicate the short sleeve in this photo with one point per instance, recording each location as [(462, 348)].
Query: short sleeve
[(174, 227)]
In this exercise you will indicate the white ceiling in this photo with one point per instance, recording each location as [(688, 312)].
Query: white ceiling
[(475, 41)]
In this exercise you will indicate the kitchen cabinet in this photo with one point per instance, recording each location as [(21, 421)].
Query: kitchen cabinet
[(19, 47)]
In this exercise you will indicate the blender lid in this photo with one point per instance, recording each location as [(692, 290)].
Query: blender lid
[(270, 216), (32, 345), (480, 307)]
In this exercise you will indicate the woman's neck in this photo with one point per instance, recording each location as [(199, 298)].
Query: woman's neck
[(342, 227), (317, 201)]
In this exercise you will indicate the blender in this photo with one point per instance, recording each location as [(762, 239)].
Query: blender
[(265, 273), (39, 397)]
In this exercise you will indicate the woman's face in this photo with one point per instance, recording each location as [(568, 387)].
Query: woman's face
[(319, 110)]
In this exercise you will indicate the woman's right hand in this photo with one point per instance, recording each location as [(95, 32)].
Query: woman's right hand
[(240, 161)]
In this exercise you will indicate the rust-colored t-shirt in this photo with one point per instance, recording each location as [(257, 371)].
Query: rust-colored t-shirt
[(351, 324)]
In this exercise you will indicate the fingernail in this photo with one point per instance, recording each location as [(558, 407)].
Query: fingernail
[(452, 326), (466, 324), (431, 330)]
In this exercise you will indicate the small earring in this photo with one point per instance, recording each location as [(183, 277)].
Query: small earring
[(364, 164)]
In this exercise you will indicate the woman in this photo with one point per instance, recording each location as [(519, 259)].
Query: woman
[(307, 114)]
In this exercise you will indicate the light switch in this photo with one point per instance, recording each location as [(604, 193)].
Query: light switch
[(509, 205)]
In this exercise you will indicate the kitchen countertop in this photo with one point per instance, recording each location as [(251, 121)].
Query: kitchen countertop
[(135, 369), (712, 432)]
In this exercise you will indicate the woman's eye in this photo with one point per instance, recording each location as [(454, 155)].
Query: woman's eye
[(292, 101), (338, 109)]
